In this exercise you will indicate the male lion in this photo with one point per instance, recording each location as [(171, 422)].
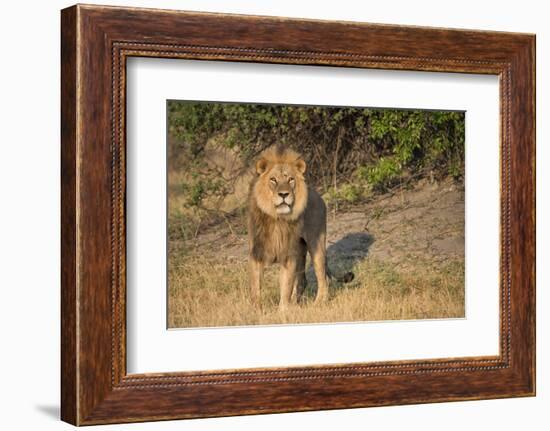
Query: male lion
[(286, 219)]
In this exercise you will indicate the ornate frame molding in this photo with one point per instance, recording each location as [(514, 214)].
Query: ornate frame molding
[(96, 41)]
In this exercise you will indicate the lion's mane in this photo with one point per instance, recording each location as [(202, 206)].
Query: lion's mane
[(274, 237)]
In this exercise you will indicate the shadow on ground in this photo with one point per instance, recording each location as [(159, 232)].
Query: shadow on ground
[(342, 255), (52, 411)]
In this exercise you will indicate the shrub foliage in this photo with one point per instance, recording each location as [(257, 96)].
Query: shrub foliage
[(349, 151)]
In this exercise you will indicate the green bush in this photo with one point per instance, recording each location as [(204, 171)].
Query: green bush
[(341, 146), (349, 193), (382, 174)]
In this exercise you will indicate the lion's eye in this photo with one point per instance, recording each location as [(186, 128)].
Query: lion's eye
[(273, 180), (291, 180)]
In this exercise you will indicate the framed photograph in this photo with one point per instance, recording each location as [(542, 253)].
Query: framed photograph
[(264, 214)]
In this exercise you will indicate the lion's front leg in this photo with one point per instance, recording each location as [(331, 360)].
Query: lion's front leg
[(287, 276), (256, 269)]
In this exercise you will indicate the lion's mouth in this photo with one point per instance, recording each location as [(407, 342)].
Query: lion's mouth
[(283, 208)]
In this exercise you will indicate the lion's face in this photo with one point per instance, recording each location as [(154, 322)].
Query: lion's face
[(282, 184), (280, 190)]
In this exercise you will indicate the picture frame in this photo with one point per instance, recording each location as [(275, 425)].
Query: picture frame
[(96, 41)]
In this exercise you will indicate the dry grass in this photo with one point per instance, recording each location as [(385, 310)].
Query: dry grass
[(203, 294)]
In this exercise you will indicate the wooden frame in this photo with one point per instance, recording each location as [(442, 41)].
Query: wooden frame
[(95, 43)]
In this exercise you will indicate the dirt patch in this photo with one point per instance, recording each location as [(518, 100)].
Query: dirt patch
[(425, 223)]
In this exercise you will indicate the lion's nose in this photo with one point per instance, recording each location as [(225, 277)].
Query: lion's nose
[(283, 194)]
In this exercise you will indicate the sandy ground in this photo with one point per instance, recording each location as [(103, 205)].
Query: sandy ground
[(424, 224)]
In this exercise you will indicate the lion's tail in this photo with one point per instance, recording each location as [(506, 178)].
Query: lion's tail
[(343, 278)]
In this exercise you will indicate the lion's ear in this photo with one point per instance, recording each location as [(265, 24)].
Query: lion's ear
[(261, 166), (301, 166)]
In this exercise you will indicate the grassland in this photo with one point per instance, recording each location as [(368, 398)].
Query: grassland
[(219, 296), (406, 250)]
